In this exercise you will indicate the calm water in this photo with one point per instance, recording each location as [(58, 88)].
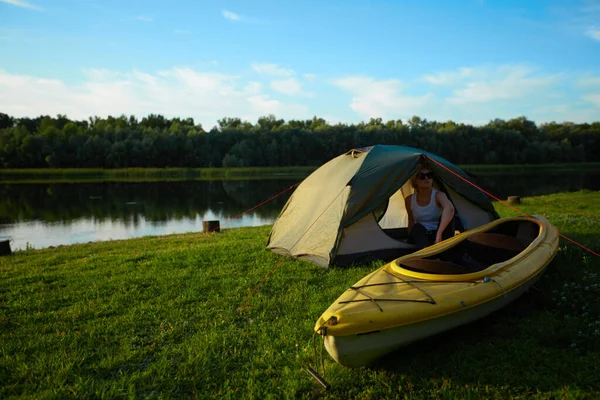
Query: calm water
[(42, 215)]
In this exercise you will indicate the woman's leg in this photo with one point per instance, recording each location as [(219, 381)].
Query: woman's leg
[(448, 232), (455, 252), (419, 236)]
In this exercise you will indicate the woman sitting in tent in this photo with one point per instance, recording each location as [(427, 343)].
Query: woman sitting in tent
[(430, 213)]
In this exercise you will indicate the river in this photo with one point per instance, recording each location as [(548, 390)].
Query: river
[(50, 214)]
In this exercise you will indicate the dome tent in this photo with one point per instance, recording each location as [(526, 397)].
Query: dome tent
[(351, 209)]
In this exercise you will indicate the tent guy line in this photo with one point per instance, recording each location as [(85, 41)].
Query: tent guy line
[(247, 300), (516, 209)]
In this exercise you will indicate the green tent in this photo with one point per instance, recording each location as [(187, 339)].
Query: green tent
[(351, 209)]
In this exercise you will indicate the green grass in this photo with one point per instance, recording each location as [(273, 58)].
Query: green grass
[(157, 317)]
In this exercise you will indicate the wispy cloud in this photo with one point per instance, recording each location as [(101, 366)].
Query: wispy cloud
[(144, 18), (449, 78), (272, 70), (381, 98), (231, 16), (477, 93), (288, 86), (586, 18), (235, 17), (594, 99), (22, 4), (594, 33), (501, 83), (588, 81)]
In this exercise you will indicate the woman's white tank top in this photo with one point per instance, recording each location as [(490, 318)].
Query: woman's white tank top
[(429, 215)]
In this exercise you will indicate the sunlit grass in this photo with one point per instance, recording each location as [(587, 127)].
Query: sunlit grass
[(157, 317)]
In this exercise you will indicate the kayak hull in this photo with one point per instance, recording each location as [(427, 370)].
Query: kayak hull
[(364, 349), (420, 295)]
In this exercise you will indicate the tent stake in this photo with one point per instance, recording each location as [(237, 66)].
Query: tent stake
[(318, 378)]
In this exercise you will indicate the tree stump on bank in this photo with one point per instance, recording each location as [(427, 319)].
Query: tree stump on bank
[(5, 248), (211, 226), (514, 200)]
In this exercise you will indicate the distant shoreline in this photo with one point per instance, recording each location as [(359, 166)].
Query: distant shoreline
[(86, 175)]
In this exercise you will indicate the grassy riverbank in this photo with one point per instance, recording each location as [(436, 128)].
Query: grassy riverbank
[(81, 175), (157, 317)]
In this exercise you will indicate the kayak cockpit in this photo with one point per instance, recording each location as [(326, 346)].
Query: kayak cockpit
[(479, 250)]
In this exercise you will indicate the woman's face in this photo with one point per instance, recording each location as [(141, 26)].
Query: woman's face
[(424, 179)]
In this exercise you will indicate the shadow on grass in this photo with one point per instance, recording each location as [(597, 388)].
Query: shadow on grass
[(525, 344)]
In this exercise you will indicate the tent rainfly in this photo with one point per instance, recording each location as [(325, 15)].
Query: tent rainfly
[(351, 209)]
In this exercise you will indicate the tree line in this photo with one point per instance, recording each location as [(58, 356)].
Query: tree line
[(156, 141)]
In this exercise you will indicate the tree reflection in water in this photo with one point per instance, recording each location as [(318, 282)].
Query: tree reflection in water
[(42, 215)]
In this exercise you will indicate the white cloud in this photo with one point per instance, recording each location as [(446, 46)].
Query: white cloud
[(309, 77), (563, 112), (588, 81), (21, 3), (177, 92), (593, 33), (272, 70), (289, 86), (381, 98), (593, 98), (449, 78), (477, 94), (335, 119), (264, 105), (502, 83), (253, 88), (231, 16)]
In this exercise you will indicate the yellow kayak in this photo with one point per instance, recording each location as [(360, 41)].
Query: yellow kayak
[(438, 288)]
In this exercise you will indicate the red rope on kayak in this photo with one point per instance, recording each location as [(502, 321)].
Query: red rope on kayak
[(513, 208), (245, 303)]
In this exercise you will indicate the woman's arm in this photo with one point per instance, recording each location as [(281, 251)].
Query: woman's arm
[(411, 221), (447, 214)]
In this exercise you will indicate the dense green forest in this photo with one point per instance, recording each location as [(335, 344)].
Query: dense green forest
[(156, 141)]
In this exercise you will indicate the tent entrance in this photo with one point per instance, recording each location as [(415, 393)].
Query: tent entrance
[(380, 235), (395, 216)]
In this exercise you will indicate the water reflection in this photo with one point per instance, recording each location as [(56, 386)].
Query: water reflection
[(537, 182), (42, 215), (40, 234), (127, 202)]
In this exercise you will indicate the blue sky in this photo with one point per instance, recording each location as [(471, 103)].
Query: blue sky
[(470, 60)]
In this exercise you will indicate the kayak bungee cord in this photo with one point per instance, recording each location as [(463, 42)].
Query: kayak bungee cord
[(416, 287), (402, 281), (411, 283)]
